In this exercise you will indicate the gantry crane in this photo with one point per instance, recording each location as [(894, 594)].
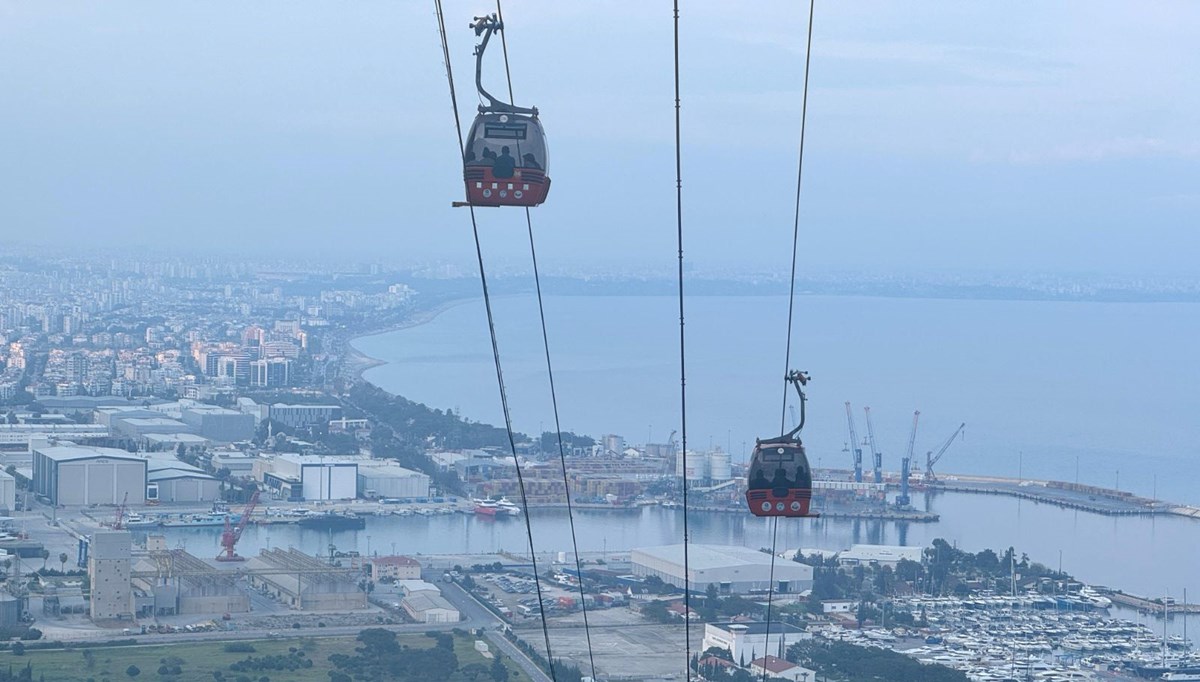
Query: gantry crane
[(906, 464), (854, 447), (875, 453), (231, 534), (931, 459)]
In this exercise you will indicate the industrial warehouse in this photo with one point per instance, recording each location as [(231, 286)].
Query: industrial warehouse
[(734, 570), (301, 582)]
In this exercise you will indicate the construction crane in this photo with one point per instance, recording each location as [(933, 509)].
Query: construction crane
[(231, 534), (878, 456), (854, 444), (903, 500), (931, 458), (119, 519)]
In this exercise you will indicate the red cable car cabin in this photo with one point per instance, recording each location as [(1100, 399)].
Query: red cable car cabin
[(506, 161), (779, 482), (504, 155)]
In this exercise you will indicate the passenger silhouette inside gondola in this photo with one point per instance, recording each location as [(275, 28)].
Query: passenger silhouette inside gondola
[(759, 481), (781, 481), (488, 157), (531, 162), (505, 164)]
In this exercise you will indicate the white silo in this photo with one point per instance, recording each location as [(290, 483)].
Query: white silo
[(720, 466)]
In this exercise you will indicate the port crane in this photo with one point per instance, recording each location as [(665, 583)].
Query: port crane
[(932, 459), (875, 453), (903, 501), (854, 448), (119, 519), (231, 534)]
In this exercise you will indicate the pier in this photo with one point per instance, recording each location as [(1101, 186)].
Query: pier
[(1088, 498), (1153, 606)]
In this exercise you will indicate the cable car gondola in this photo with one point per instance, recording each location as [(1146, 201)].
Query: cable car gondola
[(505, 160), (780, 480)]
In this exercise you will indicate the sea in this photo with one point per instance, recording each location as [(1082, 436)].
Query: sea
[(1102, 393), (1099, 393)]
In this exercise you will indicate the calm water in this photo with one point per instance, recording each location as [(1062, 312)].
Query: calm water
[(1146, 556), (1051, 390), (1105, 392)]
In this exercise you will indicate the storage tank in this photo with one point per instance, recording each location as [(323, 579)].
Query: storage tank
[(10, 610), (720, 466)]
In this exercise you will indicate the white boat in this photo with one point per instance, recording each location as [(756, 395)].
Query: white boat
[(507, 508)]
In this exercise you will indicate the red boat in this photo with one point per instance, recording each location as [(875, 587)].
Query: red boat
[(486, 507)]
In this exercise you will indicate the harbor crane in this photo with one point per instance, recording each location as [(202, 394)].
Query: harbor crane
[(231, 534), (119, 519), (875, 453), (903, 501), (932, 459), (854, 447)]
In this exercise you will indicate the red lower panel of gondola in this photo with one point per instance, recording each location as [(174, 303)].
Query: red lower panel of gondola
[(527, 187), (792, 502)]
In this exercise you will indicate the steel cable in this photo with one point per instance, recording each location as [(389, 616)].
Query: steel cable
[(791, 310), (562, 457), (687, 591), (487, 302)]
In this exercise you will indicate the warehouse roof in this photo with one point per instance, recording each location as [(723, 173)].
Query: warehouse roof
[(423, 601), (86, 401), (67, 453), (211, 409), (154, 421), (705, 557), (374, 471), (173, 473), (325, 460), (160, 460), (185, 438), (756, 627), (415, 586), (881, 553), (395, 561)]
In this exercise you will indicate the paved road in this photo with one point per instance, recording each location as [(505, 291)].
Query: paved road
[(475, 614), (478, 615), (535, 673)]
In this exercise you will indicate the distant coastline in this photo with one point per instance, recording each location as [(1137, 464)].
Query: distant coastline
[(358, 362)]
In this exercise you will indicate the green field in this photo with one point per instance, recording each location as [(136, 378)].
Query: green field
[(198, 660)]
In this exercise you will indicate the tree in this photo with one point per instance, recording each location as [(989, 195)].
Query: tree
[(45, 556), (498, 672), (711, 594), (62, 562), (133, 671)]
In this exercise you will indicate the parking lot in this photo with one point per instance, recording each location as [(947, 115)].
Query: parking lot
[(624, 645), (515, 596)]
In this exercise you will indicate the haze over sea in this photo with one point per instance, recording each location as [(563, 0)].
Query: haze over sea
[(1047, 389), (1036, 377)]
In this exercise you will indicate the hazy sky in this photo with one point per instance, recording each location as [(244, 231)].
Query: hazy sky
[(942, 134)]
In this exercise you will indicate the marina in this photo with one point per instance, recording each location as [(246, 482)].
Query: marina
[(994, 638)]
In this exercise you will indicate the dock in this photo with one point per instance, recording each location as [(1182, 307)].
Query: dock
[(1152, 606), (1059, 494)]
